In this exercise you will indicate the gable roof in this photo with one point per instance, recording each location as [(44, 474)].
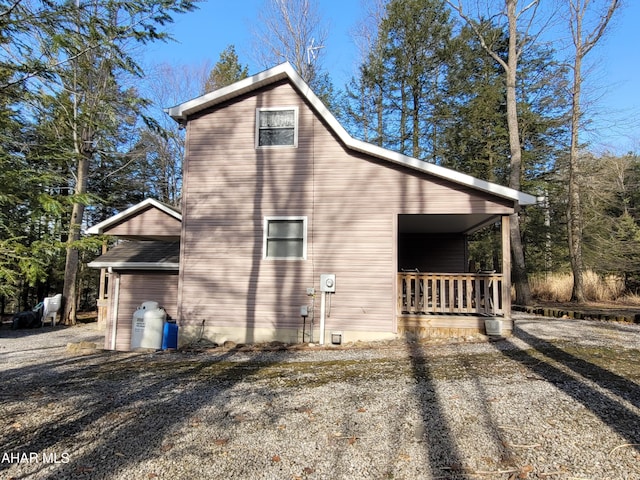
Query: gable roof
[(129, 213), (181, 113)]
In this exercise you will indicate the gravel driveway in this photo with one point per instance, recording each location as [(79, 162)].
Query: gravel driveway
[(558, 400)]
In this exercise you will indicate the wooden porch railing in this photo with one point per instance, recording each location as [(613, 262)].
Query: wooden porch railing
[(444, 293)]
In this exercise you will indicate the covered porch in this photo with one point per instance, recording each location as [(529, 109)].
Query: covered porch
[(439, 290)]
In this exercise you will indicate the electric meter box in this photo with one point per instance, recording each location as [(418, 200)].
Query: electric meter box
[(328, 282)]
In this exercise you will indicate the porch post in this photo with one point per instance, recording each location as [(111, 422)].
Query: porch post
[(506, 267), (102, 302)]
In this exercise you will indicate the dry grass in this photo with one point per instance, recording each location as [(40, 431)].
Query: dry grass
[(632, 299), (556, 287)]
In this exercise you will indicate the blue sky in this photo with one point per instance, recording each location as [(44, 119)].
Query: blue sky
[(615, 87)]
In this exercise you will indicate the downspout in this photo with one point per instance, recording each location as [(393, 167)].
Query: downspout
[(323, 312), (116, 302)]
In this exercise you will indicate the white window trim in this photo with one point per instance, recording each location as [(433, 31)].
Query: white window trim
[(265, 229), (275, 109)]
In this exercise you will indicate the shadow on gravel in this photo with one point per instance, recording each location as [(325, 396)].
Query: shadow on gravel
[(552, 368), (122, 398), (23, 376), (7, 332), (444, 457), (34, 349)]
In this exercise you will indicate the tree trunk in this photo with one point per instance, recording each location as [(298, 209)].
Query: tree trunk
[(380, 115), (403, 117), (69, 293), (415, 127), (70, 278), (574, 212), (520, 278)]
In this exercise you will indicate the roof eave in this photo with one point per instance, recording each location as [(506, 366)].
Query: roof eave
[(169, 266)]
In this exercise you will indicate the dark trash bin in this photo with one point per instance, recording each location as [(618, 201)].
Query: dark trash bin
[(28, 319)]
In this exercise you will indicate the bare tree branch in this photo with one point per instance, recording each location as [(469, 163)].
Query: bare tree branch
[(11, 8), (474, 26), (288, 28), (593, 38)]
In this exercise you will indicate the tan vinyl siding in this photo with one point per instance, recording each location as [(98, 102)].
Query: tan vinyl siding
[(149, 222), (351, 201), (136, 288)]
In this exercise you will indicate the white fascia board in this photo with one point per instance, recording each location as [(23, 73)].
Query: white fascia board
[(99, 227), (182, 111), (134, 265)]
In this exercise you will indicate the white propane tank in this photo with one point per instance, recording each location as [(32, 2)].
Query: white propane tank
[(153, 328), (137, 327), (149, 305)]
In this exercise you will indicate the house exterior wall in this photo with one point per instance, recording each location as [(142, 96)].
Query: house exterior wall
[(150, 222), (135, 288), (351, 202)]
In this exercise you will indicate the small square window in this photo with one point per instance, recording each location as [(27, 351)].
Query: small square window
[(285, 238), (277, 127)]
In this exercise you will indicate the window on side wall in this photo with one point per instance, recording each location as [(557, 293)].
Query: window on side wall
[(285, 238), (277, 127)]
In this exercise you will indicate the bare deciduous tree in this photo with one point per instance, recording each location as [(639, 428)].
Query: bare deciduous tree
[(517, 41), (365, 33), (583, 43), (168, 86), (293, 31)]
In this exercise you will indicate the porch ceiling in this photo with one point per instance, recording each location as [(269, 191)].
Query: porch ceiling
[(452, 223)]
